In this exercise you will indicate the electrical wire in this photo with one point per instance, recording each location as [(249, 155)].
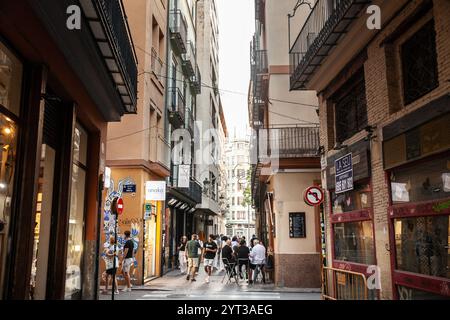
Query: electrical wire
[(205, 85)]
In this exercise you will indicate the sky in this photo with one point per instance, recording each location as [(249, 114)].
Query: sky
[(236, 28)]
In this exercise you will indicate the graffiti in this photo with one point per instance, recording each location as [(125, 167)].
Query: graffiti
[(441, 206), (405, 293), (109, 222)]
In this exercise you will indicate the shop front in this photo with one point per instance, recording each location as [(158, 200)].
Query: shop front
[(142, 217), (417, 161), (351, 213), (52, 135)]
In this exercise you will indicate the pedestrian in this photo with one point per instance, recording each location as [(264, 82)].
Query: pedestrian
[(128, 255), (192, 255), (243, 253), (234, 241), (209, 253), (216, 264), (182, 255), (257, 258), (251, 241), (111, 255), (199, 252)]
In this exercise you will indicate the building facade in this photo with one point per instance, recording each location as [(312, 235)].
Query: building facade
[(182, 88), (285, 144), (384, 103), (240, 216), (62, 80), (146, 157), (208, 120)]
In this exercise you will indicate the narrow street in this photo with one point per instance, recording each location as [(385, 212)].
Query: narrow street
[(174, 286)]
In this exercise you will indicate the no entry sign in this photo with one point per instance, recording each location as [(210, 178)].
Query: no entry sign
[(314, 196), (120, 206)]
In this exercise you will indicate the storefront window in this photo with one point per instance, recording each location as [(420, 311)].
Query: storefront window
[(429, 180), (76, 220), (423, 245), (355, 200), (405, 293), (10, 80), (353, 242), (8, 140)]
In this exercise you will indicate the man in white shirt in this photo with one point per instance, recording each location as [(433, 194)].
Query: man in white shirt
[(257, 258)]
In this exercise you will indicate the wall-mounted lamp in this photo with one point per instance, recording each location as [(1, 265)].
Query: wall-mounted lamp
[(370, 133), (321, 150)]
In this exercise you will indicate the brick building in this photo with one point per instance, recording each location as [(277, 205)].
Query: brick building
[(384, 98)]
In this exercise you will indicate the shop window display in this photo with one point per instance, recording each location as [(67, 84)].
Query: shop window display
[(423, 245), (355, 200), (427, 181), (10, 91), (353, 242)]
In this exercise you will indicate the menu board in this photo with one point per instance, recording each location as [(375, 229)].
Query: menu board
[(297, 225)]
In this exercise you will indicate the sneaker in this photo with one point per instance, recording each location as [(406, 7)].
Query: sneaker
[(207, 280), (117, 292), (188, 277), (125, 289), (193, 279)]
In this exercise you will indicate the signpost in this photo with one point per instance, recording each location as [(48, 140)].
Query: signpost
[(116, 210), (344, 174), (314, 196)]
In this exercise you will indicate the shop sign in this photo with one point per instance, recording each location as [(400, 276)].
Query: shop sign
[(344, 174), (107, 176), (155, 191), (184, 171), (129, 188), (313, 196), (341, 279), (147, 211)]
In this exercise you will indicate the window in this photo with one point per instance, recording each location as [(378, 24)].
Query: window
[(426, 181), (76, 219), (351, 107), (353, 242), (233, 201), (422, 245), (234, 215), (419, 63), (358, 199), (10, 80)]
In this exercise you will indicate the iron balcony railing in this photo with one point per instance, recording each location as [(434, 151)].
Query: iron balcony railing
[(190, 121), (157, 66), (260, 10), (178, 30), (328, 21), (194, 192), (115, 23), (196, 81), (176, 107), (189, 61), (293, 142)]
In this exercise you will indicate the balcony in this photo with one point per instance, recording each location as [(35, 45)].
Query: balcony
[(176, 108), (178, 30), (157, 66), (260, 7), (259, 71), (196, 81), (110, 29), (190, 122), (293, 142), (194, 192), (327, 23), (189, 62)]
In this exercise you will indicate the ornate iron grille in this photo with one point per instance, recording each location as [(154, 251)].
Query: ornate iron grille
[(419, 63), (351, 108)]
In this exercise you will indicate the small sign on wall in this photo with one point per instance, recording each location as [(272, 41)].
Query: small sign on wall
[(297, 225)]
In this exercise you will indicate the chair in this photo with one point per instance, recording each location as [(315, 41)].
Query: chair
[(258, 273), (230, 268), (244, 262)]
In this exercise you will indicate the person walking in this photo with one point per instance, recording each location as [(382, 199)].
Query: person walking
[(209, 253), (182, 255), (257, 259), (192, 255), (128, 255), (110, 255)]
